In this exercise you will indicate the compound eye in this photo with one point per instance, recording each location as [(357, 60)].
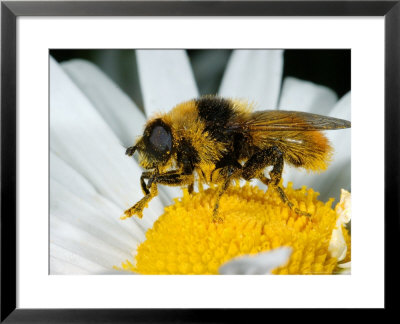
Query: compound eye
[(161, 139)]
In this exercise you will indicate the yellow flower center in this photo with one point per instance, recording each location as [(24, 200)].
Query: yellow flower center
[(184, 240)]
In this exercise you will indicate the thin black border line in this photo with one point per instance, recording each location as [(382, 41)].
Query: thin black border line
[(390, 10)]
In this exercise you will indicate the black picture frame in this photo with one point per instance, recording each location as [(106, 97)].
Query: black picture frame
[(10, 11)]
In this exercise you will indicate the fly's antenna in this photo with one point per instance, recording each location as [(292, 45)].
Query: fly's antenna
[(131, 150)]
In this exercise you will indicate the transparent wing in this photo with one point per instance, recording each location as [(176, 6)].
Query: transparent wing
[(280, 120)]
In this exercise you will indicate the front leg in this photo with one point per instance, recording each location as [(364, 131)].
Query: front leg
[(137, 209), (183, 176), (143, 185), (172, 178), (149, 192)]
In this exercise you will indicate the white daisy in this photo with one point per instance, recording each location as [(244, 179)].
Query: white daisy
[(92, 122)]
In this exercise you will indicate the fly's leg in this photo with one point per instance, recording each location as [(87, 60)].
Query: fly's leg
[(221, 190), (143, 185), (171, 178), (227, 172), (137, 209), (174, 177), (183, 176), (283, 196), (191, 187), (254, 167)]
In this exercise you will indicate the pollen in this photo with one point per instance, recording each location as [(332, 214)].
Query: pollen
[(184, 240)]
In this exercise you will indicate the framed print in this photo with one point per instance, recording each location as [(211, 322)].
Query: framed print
[(141, 141)]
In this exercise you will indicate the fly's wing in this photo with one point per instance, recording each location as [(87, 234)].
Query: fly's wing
[(280, 120), (297, 134)]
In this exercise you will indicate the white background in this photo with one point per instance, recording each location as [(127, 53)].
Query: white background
[(364, 288)]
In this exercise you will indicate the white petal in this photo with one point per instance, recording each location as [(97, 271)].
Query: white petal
[(76, 184), (345, 268), (82, 139), (341, 141), (342, 109), (166, 79), (338, 174), (262, 263), (116, 108), (306, 96), (337, 245), (94, 219), (254, 75), (86, 245), (341, 177), (63, 261), (85, 239)]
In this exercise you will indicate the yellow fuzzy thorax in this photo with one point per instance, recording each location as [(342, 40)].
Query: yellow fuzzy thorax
[(184, 240), (184, 121)]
